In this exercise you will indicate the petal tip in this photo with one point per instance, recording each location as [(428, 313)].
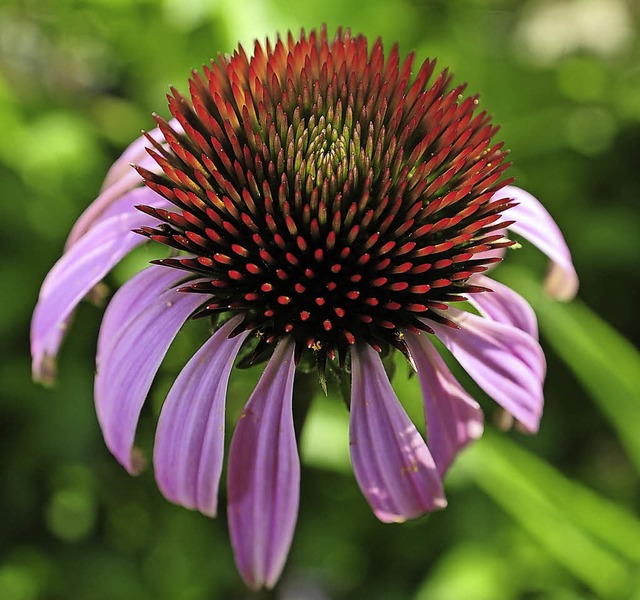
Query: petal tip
[(44, 370), (440, 503), (208, 511), (136, 463), (475, 429), (387, 517), (561, 285), (530, 428), (252, 584)]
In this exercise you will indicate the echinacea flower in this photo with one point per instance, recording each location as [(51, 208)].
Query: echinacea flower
[(324, 206)]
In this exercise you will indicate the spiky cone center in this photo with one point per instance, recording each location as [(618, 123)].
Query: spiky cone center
[(327, 194)]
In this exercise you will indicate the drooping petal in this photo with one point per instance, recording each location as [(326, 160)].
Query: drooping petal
[(189, 448), (128, 364), (118, 200), (135, 153), (121, 179), (504, 305), (453, 418), (507, 363), (132, 299), (391, 461), (110, 203), (264, 474), (533, 222), (75, 274)]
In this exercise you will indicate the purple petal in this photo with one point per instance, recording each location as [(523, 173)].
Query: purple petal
[(71, 279), (115, 200), (504, 305), (533, 222), (135, 154), (119, 199), (120, 180), (264, 475), (132, 299), (391, 461), (507, 363), (129, 362), (453, 418), (189, 448)]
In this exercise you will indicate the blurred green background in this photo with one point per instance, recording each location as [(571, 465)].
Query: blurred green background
[(552, 516)]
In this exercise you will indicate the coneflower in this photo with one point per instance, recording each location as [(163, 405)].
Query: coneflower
[(325, 206)]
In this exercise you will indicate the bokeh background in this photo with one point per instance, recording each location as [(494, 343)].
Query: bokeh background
[(552, 516)]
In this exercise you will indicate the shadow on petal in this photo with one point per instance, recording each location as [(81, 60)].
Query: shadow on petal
[(264, 474), (189, 447), (507, 363), (454, 419), (391, 461)]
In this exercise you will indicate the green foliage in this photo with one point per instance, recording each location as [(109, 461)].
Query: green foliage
[(554, 516)]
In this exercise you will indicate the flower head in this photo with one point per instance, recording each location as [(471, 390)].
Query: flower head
[(325, 206)]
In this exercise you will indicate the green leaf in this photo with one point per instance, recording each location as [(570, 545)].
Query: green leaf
[(566, 519), (606, 520)]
